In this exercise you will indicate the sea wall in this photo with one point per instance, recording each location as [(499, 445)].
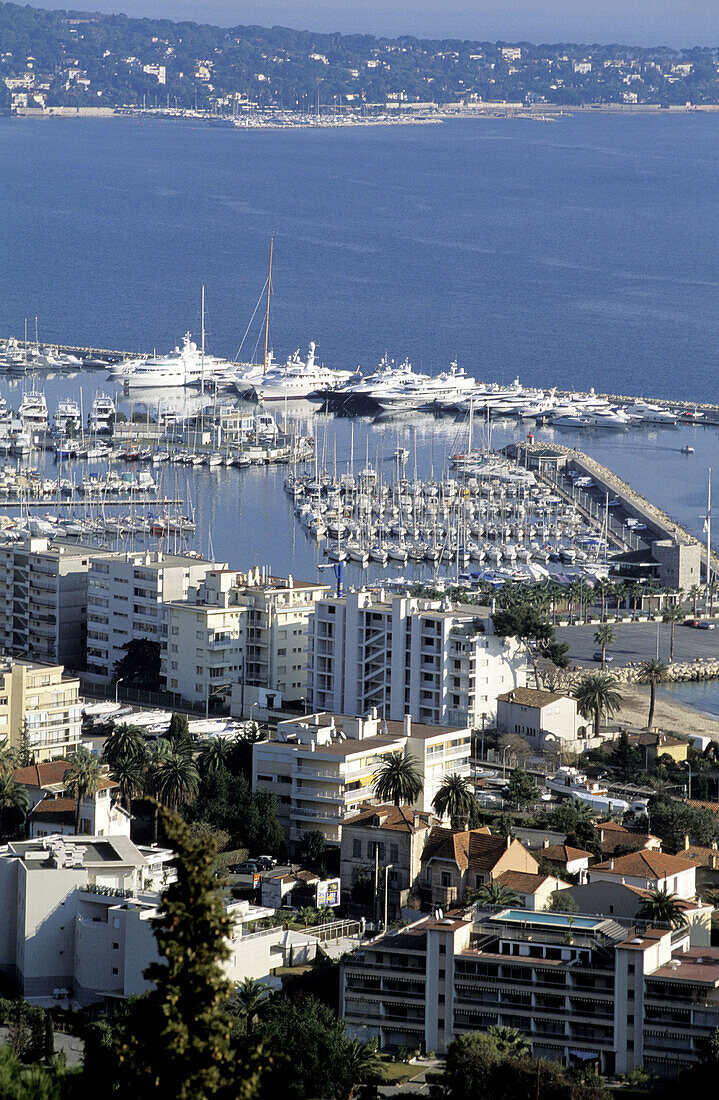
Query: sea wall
[(554, 679)]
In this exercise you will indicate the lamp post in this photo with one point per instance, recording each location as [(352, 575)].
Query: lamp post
[(252, 707), (387, 870), (689, 791), (117, 685)]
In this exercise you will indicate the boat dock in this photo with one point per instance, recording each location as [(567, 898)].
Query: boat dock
[(90, 498), (624, 507)]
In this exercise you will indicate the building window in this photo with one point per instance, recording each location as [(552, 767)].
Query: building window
[(357, 849), (394, 853)]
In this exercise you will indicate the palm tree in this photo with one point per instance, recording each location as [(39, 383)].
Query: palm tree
[(510, 1042), (129, 774), (672, 615), (178, 780), (653, 672), (158, 753), (454, 799), (397, 779), (604, 637), (126, 742), (213, 754), (659, 905), (362, 1065), (597, 696), (13, 800), (82, 779), (495, 894), (249, 998), (694, 594)]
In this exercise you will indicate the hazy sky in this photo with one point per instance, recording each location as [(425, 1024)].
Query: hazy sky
[(640, 22)]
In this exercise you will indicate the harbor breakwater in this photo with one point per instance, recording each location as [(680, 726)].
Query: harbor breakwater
[(698, 670)]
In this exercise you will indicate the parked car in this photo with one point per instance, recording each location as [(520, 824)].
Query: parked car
[(249, 867), (705, 625), (598, 656), (265, 863)]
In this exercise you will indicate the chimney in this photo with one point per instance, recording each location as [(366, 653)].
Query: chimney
[(545, 842), (686, 843), (408, 725), (509, 842), (611, 864)]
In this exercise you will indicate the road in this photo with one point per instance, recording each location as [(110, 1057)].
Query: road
[(638, 641)]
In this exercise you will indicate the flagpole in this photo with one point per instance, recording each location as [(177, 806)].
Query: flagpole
[(709, 529)]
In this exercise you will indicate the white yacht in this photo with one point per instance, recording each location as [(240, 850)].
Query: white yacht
[(246, 377), (67, 417), (417, 391), (296, 380), (644, 412), (33, 412), (184, 366), (101, 415)]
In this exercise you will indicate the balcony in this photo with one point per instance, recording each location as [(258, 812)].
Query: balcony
[(321, 794), (314, 815)]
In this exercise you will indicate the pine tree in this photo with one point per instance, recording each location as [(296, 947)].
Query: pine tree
[(176, 1042)]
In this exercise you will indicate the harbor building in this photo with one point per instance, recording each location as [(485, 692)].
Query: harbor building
[(321, 767), (402, 655), (582, 989), (241, 637), (43, 599), (39, 702), (76, 913), (126, 596)]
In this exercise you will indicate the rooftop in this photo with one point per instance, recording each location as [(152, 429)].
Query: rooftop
[(644, 864), (530, 697), (563, 853), (697, 965), (51, 774), (470, 848), (398, 819), (524, 882)]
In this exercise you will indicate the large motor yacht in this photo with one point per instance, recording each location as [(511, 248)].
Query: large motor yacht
[(184, 366), (297, 379), (419, 391)]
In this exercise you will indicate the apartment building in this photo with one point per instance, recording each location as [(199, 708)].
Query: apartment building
[(322, 766), (43, 599), (126, 596), (40, 702), (549, 721), (404, 655), (241, 637), (582, 989), (75, 916)]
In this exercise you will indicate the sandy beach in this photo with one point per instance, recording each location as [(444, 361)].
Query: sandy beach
[(669, 715)]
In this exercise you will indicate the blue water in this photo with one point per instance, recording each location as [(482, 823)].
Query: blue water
[(562, 920), (703, 696), (579, 252)]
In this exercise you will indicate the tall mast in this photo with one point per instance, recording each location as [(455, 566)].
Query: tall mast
[(709, 529), (267, 315), (202, 344)]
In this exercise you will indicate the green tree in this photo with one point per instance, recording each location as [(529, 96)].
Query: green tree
[(19, 1082), (694, 594), (510, 1042), (659, 905), (561, 901), (178, 732), (653, 672), (248, 1000), (522, 790), (314, 1051), (710, 1048), (140, 666), (362, 1066), (176, 1042), (495, 894), (82, 779), (625, 758), (129, 774), (178, 780), (124, 742), (13, 803), (214, 754), (528, 624), (454, 799), (672, 615), (397, 779), (597, 697), (604, 637), (313, 851)]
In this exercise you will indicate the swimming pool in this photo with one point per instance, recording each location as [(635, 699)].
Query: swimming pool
[(547, 920)]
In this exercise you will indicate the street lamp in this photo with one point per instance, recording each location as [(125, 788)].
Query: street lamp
[(689, 792), (387, 870), (252, 707), (117, 685)]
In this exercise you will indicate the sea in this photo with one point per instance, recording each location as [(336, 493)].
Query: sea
[(577, 253)]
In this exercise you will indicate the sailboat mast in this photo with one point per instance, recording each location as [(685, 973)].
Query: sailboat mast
[(267, 314), (202, 344), (709, 529)]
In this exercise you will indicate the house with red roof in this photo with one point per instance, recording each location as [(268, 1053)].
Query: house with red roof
[(51, 810), (455, 863)]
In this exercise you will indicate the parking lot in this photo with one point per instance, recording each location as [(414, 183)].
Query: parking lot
[(638, 642)]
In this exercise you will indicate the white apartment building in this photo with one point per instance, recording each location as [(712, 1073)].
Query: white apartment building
[(75, 915), (43, 599), (241, 637), (405, 655), (580, 988), (39, 701), (322, 766), (126, 594)]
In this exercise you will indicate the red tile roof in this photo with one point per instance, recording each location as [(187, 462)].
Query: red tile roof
[(51, 774), (470, 848), (401, 819), (563, 853), (524, 882), (645, 864), (59, 811)]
